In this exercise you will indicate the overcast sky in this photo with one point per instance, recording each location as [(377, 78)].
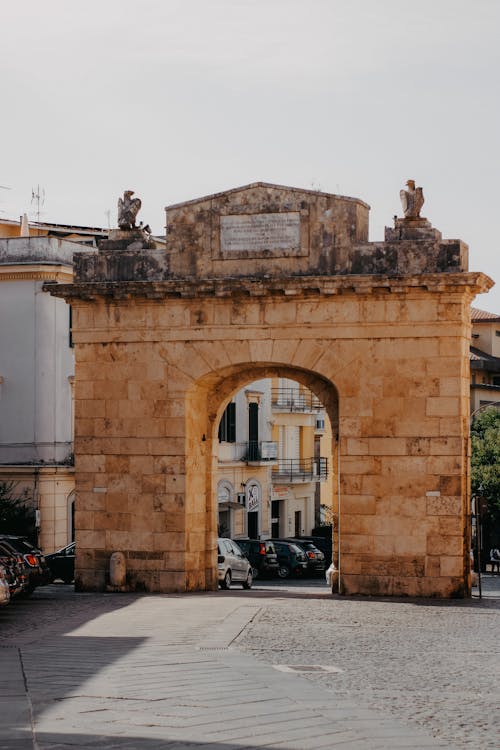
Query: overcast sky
[(176, 99)]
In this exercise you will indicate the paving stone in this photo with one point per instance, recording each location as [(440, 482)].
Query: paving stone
[(106, 676)]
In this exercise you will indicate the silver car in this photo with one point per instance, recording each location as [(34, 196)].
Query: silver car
[(232, 565)]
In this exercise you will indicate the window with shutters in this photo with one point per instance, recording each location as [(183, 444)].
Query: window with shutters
[(227, 425)]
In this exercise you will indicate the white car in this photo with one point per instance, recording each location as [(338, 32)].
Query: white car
[(4, 587), (232, 565)]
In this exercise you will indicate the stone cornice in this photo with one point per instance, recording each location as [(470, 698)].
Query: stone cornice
[(266, 186), (23, 272), (292, 286)]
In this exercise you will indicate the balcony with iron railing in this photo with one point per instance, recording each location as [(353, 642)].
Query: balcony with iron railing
[(293, 400), (251, 452), (300, 470)]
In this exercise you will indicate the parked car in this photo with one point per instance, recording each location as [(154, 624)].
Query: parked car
[(262, 556), (315, 558), (62, 563), (15, 568), (4, 587), (36, 568), (324, 544), (232, 565), (292, 560)]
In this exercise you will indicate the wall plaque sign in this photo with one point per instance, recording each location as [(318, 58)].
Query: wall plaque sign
[(253, 499), (258, 232)]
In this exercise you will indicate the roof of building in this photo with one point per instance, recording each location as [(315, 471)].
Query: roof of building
[(478, 315), (478, 354), (52, 227), (480, 360)]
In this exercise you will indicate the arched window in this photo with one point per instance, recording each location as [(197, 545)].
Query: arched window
[(225, 495)]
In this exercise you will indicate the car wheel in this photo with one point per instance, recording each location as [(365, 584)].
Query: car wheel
[(283, 571), (248, 583), (226, 581)]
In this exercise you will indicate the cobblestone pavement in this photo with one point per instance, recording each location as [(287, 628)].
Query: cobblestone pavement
[(432, 663), (285, 665)]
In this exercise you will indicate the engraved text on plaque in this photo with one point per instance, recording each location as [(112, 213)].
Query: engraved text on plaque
[(259, 232)]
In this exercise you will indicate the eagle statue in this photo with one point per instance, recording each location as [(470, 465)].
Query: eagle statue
[(128, 208), (412, 200)]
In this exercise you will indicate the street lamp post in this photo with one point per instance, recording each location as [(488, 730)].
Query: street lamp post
[(479, 502), (477, 515)]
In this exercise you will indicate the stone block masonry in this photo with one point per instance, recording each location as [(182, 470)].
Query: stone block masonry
[(382, 344)]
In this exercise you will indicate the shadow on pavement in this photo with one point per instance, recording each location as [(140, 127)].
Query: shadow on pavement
[(58, 609), (103, 742)]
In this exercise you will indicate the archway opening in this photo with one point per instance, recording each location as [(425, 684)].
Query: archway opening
[(262, 459)]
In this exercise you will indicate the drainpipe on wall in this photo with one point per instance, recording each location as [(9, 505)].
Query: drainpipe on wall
[(37, 506), (339, 586)]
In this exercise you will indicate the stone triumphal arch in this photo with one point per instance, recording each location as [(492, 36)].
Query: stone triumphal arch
[(269, 280)]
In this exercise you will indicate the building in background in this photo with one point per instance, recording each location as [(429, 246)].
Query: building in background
[(27, 228), (303, 495), (274, 476), (37, 370), (484, 359), (246, 454)]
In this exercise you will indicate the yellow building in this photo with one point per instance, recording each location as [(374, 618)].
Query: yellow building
[(245, 454), (10, 228), (272, 478), (302, 479), (484, 359)]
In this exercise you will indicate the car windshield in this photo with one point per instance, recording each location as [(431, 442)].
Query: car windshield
[(270, 548)]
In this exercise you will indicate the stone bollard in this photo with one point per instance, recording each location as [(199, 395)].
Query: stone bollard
[(117, 572), (332, 578)]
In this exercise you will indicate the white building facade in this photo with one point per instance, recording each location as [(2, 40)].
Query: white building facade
[(36, 381)]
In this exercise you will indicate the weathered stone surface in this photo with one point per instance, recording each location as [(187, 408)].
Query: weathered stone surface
[(121, 264), (267, 230), (376, 331)]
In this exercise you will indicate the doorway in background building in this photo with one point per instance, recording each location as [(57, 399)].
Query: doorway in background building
[(298, 523), (253, 524), (275, 519), (224, 525)]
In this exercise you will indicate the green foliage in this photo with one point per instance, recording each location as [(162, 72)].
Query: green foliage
[(17, 515), (485, 458)]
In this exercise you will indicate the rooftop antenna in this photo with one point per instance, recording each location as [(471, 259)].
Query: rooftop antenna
[(38, 198)]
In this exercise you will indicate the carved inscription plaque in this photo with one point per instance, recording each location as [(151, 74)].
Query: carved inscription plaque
[(259, 232)]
